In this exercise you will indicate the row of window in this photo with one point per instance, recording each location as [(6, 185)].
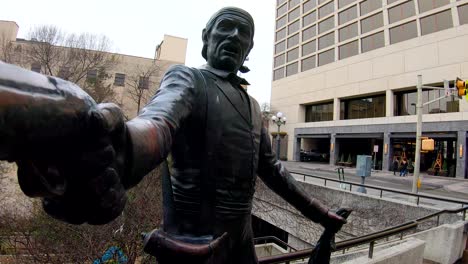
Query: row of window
[(119, 78), (429, 24), (374, 106)]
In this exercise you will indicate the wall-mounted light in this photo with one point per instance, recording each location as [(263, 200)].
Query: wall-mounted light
[(460, 151), (332, 147), (385, 149)]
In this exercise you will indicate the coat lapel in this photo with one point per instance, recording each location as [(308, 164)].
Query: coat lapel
[(235, 99)]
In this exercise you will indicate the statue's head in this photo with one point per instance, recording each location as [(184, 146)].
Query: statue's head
[(228, 39)]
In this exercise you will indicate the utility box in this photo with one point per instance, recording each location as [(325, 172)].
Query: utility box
[(363, 165)]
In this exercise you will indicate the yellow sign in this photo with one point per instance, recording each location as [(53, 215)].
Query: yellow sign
[(427, 144), (419, 183)]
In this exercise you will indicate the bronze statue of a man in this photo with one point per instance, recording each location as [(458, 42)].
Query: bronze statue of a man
[(213, 130)]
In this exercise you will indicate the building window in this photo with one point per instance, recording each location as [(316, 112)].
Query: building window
[(279, 60), (326, 41), (294, 14), (405, 102), (426, 5), (372, 42), (326, 57), (349, 49), (401, 12), (463, 14), (91, 75), (293, 41), (280, 47), (280, 2), (292, 69), (347, 15), (293, 3), (369, 6), (143, 83), (371, 23), (391, 1), (308, 63), (281, 34), (366, 107), (308, 33), (294, 27), (293, 54), (309, 19), (326, 9), (119, 79), (319, 112), (348, 32), (403, 32), (278, 74), (436, 22), (280, 22), (307, 6), (64, 73), (281, 10), (326, 25), (308, 48), (322, 1), (36, 67), (343, 3)]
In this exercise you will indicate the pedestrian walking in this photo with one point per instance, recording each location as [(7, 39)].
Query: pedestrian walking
[(404, 168), (395, 165)]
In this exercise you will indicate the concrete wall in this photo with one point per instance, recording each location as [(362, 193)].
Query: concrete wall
[(370, 214), (8, 31), (173, 49)]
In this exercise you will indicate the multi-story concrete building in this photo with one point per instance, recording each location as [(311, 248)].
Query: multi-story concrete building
[(345, 75), (133, 79)]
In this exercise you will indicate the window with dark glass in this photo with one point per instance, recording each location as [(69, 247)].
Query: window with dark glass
[(143, 83), (119, 79), (319, 112), (372, 42), (426, 5), (36, 67), (326, 25), (279, 60), (348, 50), (91, 75), (326, 41), (347, 15), (463, 14), (281, 34), (371, 23), (281, 10), (291, 69), (365, 107), (405, 102), (436, 22), (308, 63), (348, 32), (326, 9), (403, 32), (309, 19), (308, 48), (326, 57), (280, 22), (342, 3), (369, 6), (280, 47), (309, 5), (293, 54), (278, 74), (401, 12), (308, 33), (294, 14), (294, 27), (293, 41)]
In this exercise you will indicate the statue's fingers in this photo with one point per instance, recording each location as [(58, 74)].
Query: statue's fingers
[(106, 118)]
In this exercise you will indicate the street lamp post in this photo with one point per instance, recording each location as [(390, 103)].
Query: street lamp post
[(279, 120)]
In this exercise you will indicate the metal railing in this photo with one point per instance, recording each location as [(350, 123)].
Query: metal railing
[(418, 196), (370, 238), (268, 239)]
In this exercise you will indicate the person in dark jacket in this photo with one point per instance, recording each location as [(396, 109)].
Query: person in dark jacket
[(404, 168), (395, 165), (212, 128)]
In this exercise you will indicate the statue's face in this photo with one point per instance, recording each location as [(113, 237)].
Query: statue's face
[(228, 43)]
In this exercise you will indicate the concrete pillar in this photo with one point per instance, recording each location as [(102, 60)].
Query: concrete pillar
[(296, 149), (386, 157), (461, 160), (333, 152)]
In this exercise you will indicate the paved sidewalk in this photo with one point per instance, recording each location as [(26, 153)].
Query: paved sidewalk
[(449, 184)]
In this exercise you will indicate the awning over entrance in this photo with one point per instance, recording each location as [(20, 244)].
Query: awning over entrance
[(430, 135), (360, 135), (313, 136)]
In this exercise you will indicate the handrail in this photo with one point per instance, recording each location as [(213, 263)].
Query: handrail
[(417, 195), (275, 239), (369, 238)]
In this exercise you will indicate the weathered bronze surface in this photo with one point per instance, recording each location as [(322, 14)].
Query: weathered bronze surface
[(202, 117)]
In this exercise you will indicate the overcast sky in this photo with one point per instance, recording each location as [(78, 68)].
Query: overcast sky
[(136, 27)]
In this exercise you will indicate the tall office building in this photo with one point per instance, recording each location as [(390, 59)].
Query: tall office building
[(345, 75)]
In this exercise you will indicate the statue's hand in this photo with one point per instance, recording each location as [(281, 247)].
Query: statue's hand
[(332, 221), (82, 184)]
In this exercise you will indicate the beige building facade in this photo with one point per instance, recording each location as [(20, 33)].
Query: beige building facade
[(345, 75), (132, 79)]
